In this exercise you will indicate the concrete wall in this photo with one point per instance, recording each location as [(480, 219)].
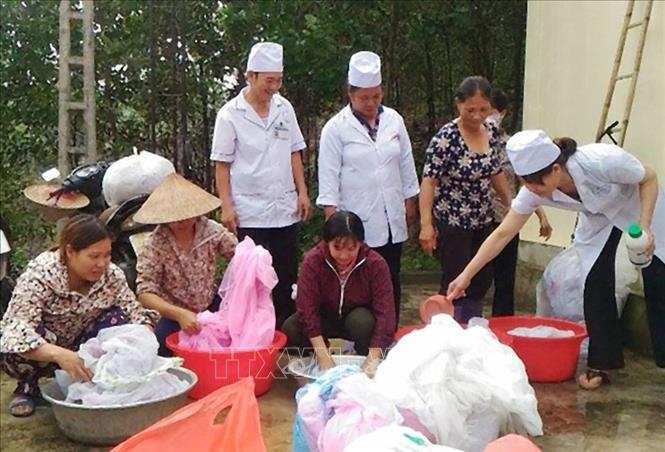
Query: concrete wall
[(570, 50)]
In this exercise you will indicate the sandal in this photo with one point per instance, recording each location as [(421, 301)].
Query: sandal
[(593, 379), (22, 406)]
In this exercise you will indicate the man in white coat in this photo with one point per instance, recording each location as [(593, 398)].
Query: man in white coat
[(259, 173), (366, 165), (610, 189)]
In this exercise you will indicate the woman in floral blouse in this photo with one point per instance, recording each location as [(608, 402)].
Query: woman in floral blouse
[(176, 266), (462, 164), (63, 298)]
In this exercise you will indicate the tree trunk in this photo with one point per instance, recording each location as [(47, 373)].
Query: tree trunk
[(519, 41), (152, 114)]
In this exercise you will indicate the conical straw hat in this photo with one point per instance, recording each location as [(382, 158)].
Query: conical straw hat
[(41, 194), (176, 199)]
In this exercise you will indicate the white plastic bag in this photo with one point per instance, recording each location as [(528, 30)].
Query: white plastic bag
[(135, 175), (560, 291)]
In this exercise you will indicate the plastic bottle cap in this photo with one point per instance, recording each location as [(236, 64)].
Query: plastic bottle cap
[(635, 230)]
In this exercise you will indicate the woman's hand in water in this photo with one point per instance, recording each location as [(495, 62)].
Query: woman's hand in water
[(188, 323), (72, 363), (324, 361)]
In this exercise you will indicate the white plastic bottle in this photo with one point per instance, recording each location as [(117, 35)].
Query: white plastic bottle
[(636, 242)]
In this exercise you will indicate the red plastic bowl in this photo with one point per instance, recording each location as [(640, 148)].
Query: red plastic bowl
[(436, 304), (545, 359), (217, 369)]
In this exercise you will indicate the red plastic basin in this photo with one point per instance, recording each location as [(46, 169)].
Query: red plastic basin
[(217, 369), (545, 359)]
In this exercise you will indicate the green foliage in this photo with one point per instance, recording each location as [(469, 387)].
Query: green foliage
[(163, 68)]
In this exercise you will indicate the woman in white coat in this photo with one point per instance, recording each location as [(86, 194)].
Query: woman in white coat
[(610, 189), (366, 165)]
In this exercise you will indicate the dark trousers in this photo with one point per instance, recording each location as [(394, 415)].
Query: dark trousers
[(356, 326), (282, 243), (392, 253), (654, 291), (28, 372), (456, 249), (600, 310), (504, 266), (165, 327)]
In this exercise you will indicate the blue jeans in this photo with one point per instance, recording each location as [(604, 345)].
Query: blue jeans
[(165, 327)]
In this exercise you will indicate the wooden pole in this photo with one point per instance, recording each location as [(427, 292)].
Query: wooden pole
[(89, 81), (64, 88)]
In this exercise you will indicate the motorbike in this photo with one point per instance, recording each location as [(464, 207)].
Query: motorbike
[(127, 235)]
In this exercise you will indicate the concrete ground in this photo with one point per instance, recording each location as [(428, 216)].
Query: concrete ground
[(628, 415)]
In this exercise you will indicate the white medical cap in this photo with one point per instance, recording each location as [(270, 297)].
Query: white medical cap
[(365, 70), (266, 57), (530, 151)]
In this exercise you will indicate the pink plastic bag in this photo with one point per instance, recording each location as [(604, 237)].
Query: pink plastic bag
[(246, 318)]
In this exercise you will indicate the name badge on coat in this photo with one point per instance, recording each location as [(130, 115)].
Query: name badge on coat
[(281, 131)]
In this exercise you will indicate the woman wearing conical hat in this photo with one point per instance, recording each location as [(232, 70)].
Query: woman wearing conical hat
[(176, 266)]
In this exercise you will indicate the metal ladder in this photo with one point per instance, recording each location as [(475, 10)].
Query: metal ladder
[(70, 152), (632, 76)]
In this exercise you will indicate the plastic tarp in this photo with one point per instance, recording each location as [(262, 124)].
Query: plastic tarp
[(126, 369)]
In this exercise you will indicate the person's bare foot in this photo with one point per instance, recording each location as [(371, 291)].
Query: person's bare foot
[(593, 379)]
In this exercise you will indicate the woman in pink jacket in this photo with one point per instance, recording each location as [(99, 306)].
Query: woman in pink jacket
[(345, 291)]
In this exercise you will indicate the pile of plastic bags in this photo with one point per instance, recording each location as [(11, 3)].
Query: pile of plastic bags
[(126, 369), (246, 317), (453, 387)]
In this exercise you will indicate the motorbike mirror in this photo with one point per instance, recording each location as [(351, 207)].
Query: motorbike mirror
[(51, 174)]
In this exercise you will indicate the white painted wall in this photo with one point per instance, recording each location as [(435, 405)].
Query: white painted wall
[(570, 50)]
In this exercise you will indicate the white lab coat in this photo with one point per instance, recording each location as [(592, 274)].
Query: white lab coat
[(606, 178), (370, 178), (263, 190)]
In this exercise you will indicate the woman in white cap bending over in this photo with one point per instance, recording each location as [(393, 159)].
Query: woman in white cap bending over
[(366, 165), (610, 189), (259, 171), (176, 266)]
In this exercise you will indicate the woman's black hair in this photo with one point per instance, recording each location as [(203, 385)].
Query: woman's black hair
[(470, 86), (343, 224), (568, 146), (80, 232)]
